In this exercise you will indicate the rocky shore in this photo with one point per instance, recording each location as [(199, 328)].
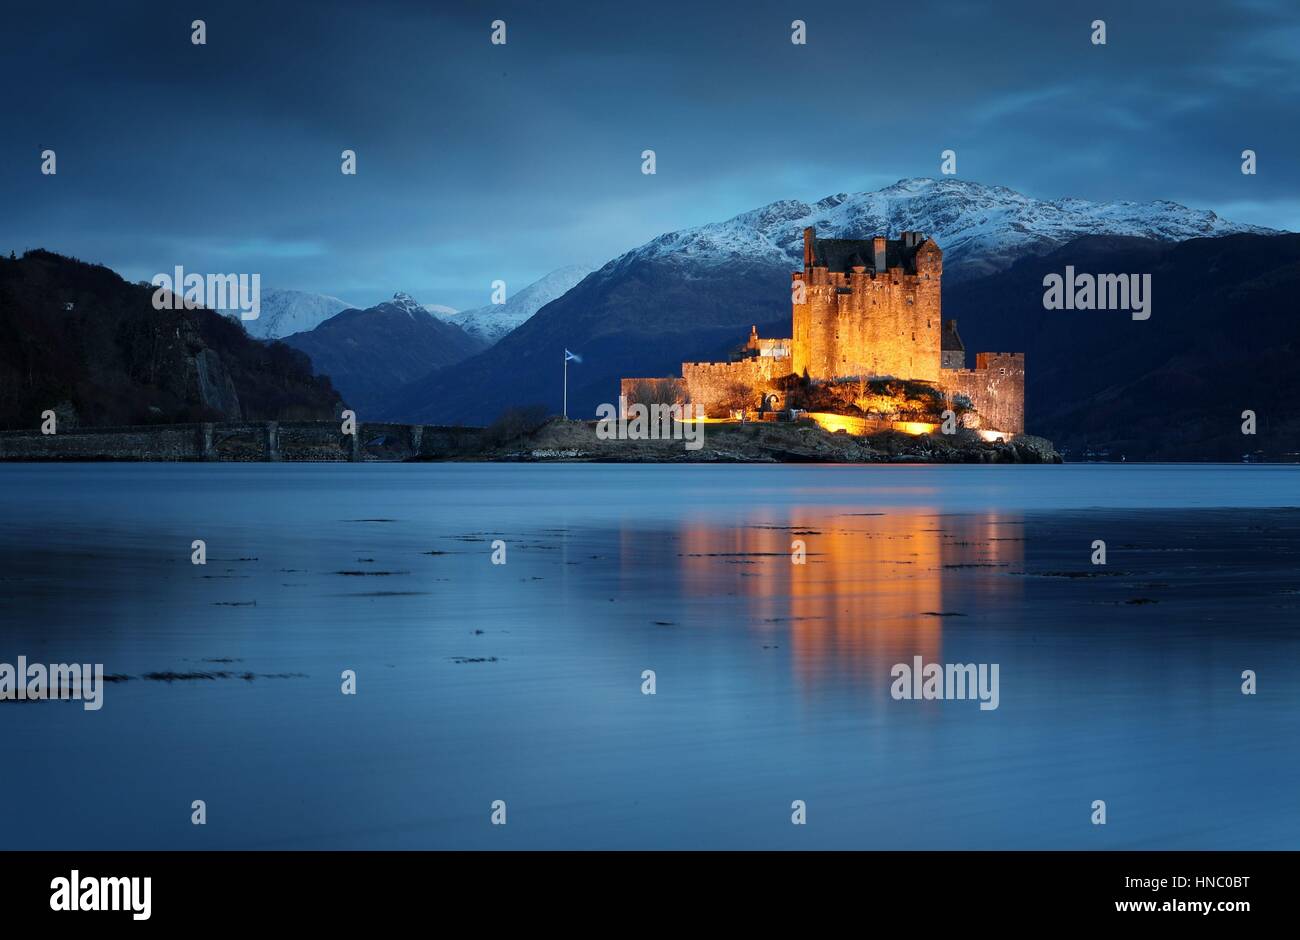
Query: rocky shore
[(767, 442)]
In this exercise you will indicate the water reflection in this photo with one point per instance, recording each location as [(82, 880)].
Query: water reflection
[(523, 680), (875, 588)]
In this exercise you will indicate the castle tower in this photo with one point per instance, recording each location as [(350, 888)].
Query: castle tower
[(954, 350), (868, 307)]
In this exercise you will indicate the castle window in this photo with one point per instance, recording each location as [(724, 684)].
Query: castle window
[(1003, 370)]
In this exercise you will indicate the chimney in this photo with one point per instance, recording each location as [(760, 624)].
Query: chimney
[(878, 245), (809, 236)]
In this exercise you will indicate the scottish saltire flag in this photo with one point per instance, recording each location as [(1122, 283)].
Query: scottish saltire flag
[(571, 357)]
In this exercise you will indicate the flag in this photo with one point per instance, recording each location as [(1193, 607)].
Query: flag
[(571, 357)]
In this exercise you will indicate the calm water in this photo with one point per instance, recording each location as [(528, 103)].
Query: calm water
[(522, 682)]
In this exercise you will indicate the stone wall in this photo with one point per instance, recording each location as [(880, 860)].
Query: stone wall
[(171, 442), (996, 387), (243, 441)]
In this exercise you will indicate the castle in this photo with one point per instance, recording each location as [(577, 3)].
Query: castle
[(862, 308)]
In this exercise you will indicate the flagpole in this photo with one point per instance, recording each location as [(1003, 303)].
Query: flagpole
[(566, 385)]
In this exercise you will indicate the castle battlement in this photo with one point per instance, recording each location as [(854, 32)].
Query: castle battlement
[(855, 280)]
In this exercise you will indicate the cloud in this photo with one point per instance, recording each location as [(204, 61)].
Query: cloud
[(478, 162)]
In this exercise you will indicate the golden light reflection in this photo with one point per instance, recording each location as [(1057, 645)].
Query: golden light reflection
[(876, 589)]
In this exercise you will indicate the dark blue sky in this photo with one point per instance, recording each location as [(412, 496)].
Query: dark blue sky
[(478, 162)]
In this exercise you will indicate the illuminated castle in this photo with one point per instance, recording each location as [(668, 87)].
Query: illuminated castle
[(863, 308)]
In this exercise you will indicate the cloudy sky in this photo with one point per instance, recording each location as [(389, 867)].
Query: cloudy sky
[(478, 162)]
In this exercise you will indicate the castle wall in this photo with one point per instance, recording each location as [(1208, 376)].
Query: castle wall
[(669, 391), (715, 385), (870, 324), (996, 387)]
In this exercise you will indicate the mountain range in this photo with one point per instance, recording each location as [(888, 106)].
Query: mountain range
[(980, 228), (291, 311), (490, 323), (693, 294), (370, 353)]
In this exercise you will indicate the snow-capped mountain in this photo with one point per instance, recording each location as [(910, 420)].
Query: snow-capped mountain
[(494, 321), (369, 353), (291, 311), (980, 228), (408, 305)]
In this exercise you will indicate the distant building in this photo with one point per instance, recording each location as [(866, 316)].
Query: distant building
[(867, 308)]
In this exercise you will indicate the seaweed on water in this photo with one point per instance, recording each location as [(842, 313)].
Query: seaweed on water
[(169, 676), (383, 594), (1081, 574)]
